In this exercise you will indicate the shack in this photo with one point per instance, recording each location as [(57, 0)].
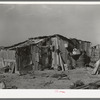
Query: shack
[(43, 52), (95, 53), (6, 57)]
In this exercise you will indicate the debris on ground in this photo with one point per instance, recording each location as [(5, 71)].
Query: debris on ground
[(55, 80), (76, 84), (2, 85), (5, 69), (93, 85), (61, 76), (48, 83), (29, 76), (44, 75), (2, 76), (12, 87), (96, 68)]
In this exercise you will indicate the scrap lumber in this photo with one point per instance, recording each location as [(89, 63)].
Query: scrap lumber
[(97, 65), (9, 60), (95, 84)]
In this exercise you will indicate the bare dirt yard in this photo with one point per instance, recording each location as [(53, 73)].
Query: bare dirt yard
[(49, 79)]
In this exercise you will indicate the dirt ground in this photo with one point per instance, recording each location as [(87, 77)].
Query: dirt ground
[(48, 79)]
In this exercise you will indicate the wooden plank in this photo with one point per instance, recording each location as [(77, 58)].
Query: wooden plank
[(9, 60)]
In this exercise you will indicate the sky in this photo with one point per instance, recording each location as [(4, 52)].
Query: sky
[(20, 22)]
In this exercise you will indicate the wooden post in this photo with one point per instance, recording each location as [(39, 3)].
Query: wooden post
[(58, 60), (32, 55), (3, 64)]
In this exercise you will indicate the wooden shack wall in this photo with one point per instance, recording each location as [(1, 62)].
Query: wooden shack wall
[(24, 59), (81, 45), (95, 53), (7, 54), (41, 55), (54, 54), (85, 46), (64, 52), (88, 49), (54, 41), (35, 51)]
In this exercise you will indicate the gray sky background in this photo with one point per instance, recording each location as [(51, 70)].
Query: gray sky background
[(20, 22)]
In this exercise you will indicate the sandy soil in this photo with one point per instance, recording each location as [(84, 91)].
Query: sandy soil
[(48, 79)]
